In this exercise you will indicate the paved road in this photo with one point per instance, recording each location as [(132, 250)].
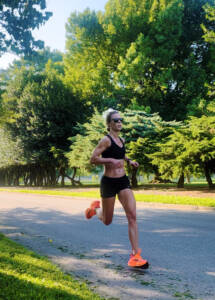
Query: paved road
[(179, 244)]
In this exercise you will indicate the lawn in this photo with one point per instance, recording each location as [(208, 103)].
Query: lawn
[(27, 276), (89, 193)]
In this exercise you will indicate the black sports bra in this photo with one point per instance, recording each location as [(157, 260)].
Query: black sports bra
[(114, 151)]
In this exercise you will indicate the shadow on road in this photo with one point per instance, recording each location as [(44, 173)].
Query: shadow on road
[(178, 244)]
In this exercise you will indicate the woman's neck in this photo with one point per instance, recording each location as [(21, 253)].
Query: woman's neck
[(114, 134)]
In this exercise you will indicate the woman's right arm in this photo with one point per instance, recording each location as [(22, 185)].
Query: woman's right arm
[(96, 158)]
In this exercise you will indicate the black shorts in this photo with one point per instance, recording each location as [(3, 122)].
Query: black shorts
[(110, 186)]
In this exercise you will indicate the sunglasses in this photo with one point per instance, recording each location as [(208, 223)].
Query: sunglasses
[(116, 120)]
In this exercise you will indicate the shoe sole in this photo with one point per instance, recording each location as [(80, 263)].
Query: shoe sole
[(145, 266)]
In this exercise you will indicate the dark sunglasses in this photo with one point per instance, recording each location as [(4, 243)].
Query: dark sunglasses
[(116, 120)]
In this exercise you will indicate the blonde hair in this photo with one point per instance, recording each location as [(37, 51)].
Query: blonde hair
[(108, 117)]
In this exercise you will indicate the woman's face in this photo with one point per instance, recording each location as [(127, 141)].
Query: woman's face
[(116, 122)]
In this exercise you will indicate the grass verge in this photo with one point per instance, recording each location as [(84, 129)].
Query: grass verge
[(175, 199), (166, 199), (28, 276)]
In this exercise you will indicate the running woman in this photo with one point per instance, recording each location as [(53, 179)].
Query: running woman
[(110, 152)]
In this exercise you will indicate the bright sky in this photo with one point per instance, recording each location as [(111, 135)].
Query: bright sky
[(53, 32)]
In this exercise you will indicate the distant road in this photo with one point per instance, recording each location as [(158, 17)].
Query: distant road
[(179, 244)]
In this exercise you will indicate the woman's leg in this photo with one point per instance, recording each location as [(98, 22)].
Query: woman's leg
[(107, 210), (128, 202)]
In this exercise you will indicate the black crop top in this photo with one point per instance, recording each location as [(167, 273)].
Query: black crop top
[(114, 151)]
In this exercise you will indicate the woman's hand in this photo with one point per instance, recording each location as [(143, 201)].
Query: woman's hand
[(134, 164)]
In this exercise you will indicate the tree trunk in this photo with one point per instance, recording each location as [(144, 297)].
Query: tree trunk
[(180, 183), (208, 177), (134, 177), (62, 173)]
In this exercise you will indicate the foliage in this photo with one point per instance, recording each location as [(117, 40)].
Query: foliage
[(17, 20), (42, 113), (39, 61), (149, 54), (189, 150), (209, 34), (84, 143), (141, 132), (11, 152)]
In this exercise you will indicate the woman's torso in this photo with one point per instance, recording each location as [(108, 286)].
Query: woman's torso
[(116, 151)]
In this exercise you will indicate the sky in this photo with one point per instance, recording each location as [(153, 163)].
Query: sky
[(53, 32)]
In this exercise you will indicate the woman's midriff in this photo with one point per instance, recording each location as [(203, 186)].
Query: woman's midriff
[(111, 171)]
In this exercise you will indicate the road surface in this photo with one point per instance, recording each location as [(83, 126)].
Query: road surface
[(179, 244)]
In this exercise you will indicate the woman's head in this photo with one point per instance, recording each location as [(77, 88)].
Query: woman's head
[(112, 120)]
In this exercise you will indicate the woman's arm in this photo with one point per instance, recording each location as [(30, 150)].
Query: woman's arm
[(131, 162), (96, 158)]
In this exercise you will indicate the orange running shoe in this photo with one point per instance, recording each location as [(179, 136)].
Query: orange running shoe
[(90, 212), (136, 261), (95, 204)]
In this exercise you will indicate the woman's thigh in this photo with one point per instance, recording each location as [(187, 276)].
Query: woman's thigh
[(126, 197)]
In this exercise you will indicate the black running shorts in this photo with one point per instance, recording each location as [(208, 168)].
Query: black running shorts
[(110, 186)]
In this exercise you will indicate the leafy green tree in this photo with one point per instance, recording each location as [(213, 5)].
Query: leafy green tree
[(39, 61), (42, 112), (168, 64), (17, 20), (11, 155), (148, 54), (88, 59), (83, 144), (190, 150), (141, 132), (209, 34)]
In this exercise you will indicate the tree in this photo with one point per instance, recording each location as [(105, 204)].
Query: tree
[(11, 156), (39, 61), (149, 54), (17, 20), (42, 113), (141, 132), (209, 34), (83, 144), (190, 150)]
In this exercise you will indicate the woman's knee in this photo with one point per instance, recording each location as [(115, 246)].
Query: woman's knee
[(107, 221), (132, 217)]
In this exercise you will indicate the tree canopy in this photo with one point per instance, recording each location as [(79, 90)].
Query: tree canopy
[(40, 111), (151, 60), (17, 20), (149, 54)]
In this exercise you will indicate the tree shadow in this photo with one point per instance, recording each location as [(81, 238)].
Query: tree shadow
[(174, 242)]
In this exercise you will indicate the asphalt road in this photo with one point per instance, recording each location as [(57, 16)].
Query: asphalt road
[(179, 244)]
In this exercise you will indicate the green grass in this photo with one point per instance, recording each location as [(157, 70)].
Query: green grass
[(166, 199), (175, 199), (87, 194), (28, 276)]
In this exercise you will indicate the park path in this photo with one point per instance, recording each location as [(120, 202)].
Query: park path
[(179, 243)]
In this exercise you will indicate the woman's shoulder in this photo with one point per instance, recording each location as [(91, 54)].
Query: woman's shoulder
[(106, 140)]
